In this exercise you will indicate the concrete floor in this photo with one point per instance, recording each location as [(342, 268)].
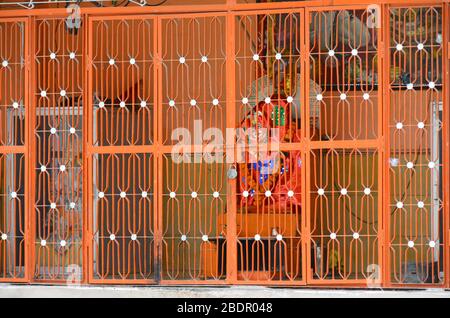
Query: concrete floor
[(17, 291)]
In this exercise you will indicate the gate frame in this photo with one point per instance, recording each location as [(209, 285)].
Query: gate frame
[(230, 10), (446, 140), (165, 149), (386, 279), (92, 150), (376, 144), (23, 149), (32, 19), (286, 146)]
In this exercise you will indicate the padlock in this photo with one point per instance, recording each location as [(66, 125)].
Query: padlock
[(232, 172)]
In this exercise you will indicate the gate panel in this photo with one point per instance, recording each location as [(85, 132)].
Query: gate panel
[(194, 188), (122, 91), (193, 76), (58, 149), (13, 143), (123, 244), (345, 219), (194, 236), (270, 209), (416, 209), (343, 103)]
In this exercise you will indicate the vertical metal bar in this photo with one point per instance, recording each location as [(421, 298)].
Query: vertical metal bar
[(231, 238), (27, 154), (446, 140), (385, 159), (305, 210), (382, 135), (88, 136), (306, 135), (32, 148), (86, 174), (158, 160)]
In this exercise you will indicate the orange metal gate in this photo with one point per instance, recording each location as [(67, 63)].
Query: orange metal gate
[(121, 137), (14, 143), (350, 100), (416, 136), (57, 150), (344, 144)]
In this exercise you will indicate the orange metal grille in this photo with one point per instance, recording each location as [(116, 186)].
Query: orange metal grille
[(347, 190), (344, 214), (416, 212), (123, 217), (194, 233), (123, 212), (193, 74), (13, 161), (269, 192), (194, 192), (344, 118), (58, 149)]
